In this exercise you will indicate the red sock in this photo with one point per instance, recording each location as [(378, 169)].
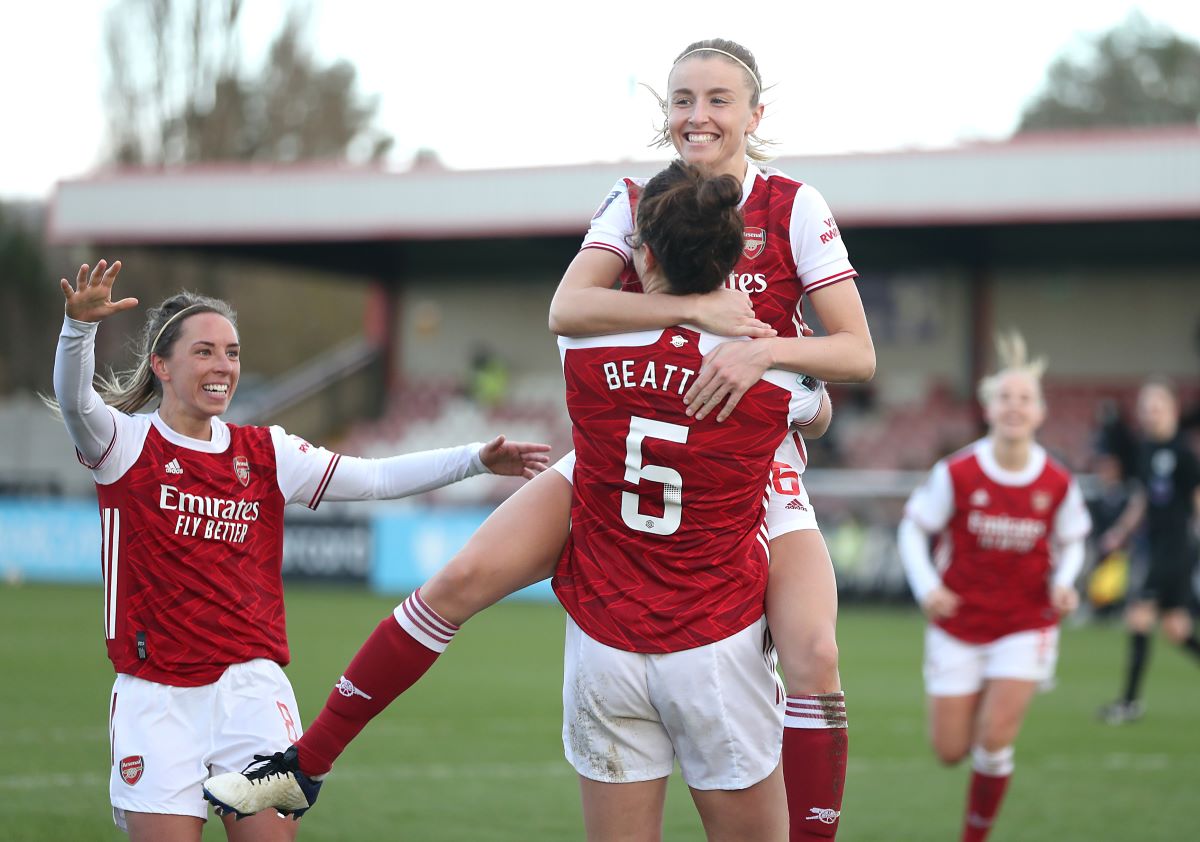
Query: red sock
[(814, 764), (400, 650), (983, 803)]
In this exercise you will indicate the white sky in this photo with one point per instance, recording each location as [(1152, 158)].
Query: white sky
[(513, 84)]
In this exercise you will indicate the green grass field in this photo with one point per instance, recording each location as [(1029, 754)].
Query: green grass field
[(473, 752)]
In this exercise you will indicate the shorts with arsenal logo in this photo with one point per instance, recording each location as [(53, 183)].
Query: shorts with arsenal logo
[(167, 740)]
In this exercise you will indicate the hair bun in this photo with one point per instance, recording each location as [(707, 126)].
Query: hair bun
[(718, 193)]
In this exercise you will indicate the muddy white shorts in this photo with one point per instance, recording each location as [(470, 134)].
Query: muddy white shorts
[(954, 667), (718, 709), (788, 506), (167, 740)]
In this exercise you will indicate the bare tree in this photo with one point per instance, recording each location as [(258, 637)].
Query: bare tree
[(25, 300), (179, 92), (1138, 74)]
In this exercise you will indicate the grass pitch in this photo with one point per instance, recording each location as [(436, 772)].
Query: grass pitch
[(473, 751)]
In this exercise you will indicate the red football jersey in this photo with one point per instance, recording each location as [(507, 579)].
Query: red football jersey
[(792, 243), (192, 547), (998, 529), (667, 549)]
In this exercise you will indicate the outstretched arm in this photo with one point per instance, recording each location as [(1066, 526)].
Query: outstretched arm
[(414, 473), (89, 422)]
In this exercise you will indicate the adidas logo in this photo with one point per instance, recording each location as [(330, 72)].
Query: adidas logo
[(796, 505), (173, 467)]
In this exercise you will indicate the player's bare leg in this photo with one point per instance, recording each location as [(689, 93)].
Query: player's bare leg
[(1177, 625), (161, 827), (802, 605), (267, 826), (630, 812), (1002, 709), (518, 545), (756, 813), (952, 726)]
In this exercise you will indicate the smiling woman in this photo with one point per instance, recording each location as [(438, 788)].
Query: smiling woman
[(192, 520)]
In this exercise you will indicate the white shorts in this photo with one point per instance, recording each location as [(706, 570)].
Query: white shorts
[(788, 506), (167, 740), (717, 708), (956, 668)]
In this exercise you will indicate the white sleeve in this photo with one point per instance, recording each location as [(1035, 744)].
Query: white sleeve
[(805, 404), (309, 474), (817, 247), (931, 504), (1072, 522), (913, 543), (1068, 562), (612, 223), (90, 422)]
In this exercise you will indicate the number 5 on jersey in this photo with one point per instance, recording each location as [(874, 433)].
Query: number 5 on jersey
[(640, 429)]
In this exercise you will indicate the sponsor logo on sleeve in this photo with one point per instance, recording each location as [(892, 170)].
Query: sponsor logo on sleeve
[(831, 231)]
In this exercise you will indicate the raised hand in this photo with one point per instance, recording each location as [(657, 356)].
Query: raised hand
[(90, 300), (514, 458), (728, 312)]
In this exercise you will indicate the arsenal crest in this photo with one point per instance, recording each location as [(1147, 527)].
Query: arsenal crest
[(132, 768), (1041, 501), (755, 242), (241, 469)]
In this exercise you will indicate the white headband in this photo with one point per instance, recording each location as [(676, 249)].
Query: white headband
[(167, 324), (753, 75)]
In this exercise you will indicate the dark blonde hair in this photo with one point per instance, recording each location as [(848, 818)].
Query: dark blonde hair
[(692, 225), (743, 58)]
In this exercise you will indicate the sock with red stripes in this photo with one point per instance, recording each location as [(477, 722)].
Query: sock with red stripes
[(989, 780), (814, 763), (400, 650)]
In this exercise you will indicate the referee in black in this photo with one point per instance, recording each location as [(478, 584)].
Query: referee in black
[(1166, 501)]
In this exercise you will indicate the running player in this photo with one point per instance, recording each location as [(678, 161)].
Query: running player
[(192, 516), (664, 575), (1167, 502), (1011, 524), (792, 246)]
